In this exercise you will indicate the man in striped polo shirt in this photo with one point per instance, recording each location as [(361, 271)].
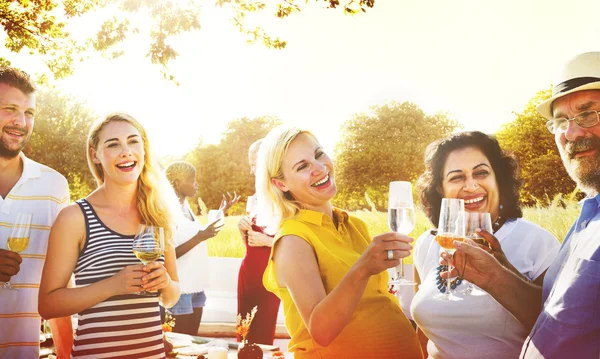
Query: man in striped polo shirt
[(25, 187)]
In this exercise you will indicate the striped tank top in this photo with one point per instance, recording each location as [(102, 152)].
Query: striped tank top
[(124, 326)]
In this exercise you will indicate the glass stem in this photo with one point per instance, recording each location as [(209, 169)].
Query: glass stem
[(401, 269), (448, 289)]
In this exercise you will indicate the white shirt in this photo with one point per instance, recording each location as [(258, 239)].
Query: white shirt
[(192, 267), (477, 326), (43, 192)]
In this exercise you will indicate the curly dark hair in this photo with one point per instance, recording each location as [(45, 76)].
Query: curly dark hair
[(504, 165), (17, 78)]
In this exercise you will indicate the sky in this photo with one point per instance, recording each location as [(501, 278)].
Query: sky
[(480, 61)]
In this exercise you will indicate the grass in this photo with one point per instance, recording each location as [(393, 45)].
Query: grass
[(557, 218), (228, 242)]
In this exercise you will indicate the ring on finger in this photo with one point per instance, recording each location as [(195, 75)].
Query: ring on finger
[(390, 255)]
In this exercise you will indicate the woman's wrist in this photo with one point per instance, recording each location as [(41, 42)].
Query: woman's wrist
[(200, 237), (358, 273), (169, 282)]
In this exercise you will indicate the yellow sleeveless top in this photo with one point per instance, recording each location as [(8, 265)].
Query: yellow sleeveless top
[(378, 328)]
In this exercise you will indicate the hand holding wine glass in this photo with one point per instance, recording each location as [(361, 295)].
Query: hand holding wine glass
[(10, 264), (493, 247), (477, 265), (473, 222), (375, 258), (17, 241), (148, 246), (401, 219), (128, 280)]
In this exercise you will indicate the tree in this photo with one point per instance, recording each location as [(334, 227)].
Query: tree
[(386, 145), (39, 26), (59, 139), (224, 167), (527, 137)]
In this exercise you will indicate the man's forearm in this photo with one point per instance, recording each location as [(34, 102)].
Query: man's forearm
[(521, 298), (62, 335)]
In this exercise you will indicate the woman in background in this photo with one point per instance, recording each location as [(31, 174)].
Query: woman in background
[(472, 166), (191, 249), (251, 291), (328, 271), (92, 239)]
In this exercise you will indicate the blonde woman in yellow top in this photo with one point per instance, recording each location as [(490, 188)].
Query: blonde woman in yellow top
[(329, 273)]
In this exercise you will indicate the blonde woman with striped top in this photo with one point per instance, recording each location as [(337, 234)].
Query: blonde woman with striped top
[(92, 239)]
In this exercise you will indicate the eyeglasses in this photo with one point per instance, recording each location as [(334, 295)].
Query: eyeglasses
[(584, 119)]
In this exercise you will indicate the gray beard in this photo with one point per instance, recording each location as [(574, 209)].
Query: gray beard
[(585, 170), (586, 174)]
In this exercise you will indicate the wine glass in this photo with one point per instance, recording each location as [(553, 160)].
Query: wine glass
[(18, 239), (148, 245), (474, 220), (401, 219), (216, 215), (451, 228)]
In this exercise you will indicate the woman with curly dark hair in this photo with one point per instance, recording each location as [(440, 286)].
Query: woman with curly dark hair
[(472, 166)]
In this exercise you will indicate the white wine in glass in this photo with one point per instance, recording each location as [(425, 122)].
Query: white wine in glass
[(18, 239), (451, 227), (401, 219), (148, 245), (147, 257)]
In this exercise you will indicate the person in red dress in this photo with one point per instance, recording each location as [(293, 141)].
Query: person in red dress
[(251, 291)]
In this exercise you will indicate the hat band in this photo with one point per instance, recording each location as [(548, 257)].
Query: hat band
[(572, 84)]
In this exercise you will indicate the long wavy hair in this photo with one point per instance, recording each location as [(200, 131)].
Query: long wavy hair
[(275, 205), (504, 164), (155, 197)]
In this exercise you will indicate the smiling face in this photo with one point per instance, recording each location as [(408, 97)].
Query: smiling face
[(308, 174), (120, 152), (16, 120), (580, 147), (468, 175)]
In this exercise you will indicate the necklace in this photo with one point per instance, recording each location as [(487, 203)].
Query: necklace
[(442, 282)]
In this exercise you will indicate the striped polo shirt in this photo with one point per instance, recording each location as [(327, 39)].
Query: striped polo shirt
[(43, 192)]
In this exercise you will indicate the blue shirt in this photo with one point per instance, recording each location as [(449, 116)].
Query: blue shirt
[(569, 324)]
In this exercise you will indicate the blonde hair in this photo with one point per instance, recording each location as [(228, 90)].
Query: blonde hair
[(154, 196), (178, 170), (274, 205)]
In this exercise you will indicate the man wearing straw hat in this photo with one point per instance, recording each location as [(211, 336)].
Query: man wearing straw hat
[(565, 314)]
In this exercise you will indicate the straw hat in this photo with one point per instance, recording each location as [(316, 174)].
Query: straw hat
[(582, 72)]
